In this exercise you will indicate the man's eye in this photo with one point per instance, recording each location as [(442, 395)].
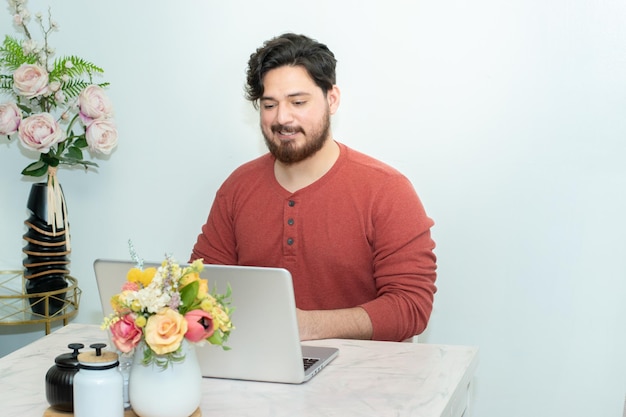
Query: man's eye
[(268, 106), (299, 103)]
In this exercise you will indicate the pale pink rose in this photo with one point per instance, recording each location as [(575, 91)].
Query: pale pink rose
[(40, 132), (165, 330), (125, 333), (10, 118), (199, 325), (30, 80), (94, 105), (101, 136)]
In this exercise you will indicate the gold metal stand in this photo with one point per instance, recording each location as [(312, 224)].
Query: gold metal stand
[(15, 304)]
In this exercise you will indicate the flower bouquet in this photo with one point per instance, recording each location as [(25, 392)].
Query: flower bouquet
[(162, 306), (58, 109)]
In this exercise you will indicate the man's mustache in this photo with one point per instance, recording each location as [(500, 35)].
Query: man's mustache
[(278, 128)]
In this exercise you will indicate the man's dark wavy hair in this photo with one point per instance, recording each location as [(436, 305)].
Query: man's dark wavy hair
[(293, 50)]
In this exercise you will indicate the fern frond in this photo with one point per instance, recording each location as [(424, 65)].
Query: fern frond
[(6, 82), (72, 88), (78, 68), (12, 54)]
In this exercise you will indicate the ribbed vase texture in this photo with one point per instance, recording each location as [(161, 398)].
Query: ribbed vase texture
[(46, 262)]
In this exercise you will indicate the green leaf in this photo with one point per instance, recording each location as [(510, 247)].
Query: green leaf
[(66, 160), (187, 295), (24, 108), (50, 160), (74, 152), (216, 338), (81, 142), (36, 169)]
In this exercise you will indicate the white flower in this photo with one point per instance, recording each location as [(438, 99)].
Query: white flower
[(59, 97), (152, 298), (54, 86), (29, 46)]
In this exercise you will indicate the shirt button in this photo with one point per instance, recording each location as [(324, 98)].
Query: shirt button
[(290, 222), (292, 203), (290, 241)]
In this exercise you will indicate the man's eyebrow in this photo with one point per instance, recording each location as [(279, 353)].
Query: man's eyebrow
[(296, 94)]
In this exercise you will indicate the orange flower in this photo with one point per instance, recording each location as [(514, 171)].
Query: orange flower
[(165, 331)]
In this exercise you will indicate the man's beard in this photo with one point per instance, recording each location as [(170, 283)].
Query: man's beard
[(287, 152)]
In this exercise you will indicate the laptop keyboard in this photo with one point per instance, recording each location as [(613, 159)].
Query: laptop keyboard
[(308, 362)]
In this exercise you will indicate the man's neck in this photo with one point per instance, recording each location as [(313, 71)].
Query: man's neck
[(294, 177)]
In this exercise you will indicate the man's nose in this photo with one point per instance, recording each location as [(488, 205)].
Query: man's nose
[(284, 115)]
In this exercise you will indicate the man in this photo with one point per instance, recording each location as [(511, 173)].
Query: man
[(350, 229)]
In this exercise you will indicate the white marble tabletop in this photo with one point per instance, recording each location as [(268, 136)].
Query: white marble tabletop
[(367, 379)]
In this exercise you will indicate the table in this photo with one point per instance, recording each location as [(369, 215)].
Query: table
[(368, 378)]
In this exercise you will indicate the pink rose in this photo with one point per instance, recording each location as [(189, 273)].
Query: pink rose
[(30, 80), (130, 286), (125, 333), (165, 331), (94, 105), (101, 136), (199, 325), (40, 132), (10, 118)]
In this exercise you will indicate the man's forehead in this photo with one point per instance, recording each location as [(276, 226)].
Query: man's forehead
[(288, 81)]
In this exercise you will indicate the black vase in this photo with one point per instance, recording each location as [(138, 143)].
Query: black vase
[(46, 250)]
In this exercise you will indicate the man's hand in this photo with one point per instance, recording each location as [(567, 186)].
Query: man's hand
[(349, 323)]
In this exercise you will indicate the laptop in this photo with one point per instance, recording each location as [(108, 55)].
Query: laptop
[(265, 343)]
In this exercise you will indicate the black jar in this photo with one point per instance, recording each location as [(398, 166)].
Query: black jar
[(60, 379)]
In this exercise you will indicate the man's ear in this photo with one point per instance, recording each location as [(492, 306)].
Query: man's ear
[(333, 96)]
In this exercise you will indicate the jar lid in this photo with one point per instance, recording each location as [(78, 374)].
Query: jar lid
[(69, 360), (98, 357)]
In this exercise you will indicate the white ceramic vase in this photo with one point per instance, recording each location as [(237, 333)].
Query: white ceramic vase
[(175, 391)]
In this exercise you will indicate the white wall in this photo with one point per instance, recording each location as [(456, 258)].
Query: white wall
[(509, 117)]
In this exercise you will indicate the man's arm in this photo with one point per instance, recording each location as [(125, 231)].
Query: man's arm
[(348, 323)]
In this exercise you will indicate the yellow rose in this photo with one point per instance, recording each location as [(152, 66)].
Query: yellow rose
[(203, 289), (189, 278), (142, 277), (165, 331), (117, 303), (221, 319), (197, 265), (208, 303)]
